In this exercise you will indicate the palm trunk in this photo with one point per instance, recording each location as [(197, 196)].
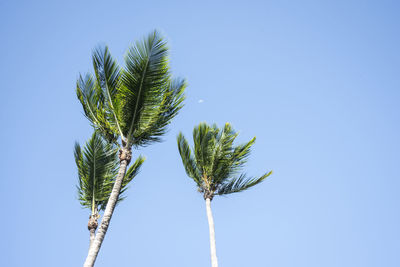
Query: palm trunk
[(213, 249), (92, 226), (108, 212), (92, 236)]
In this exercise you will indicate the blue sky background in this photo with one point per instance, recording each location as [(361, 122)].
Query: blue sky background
[(316, 81)]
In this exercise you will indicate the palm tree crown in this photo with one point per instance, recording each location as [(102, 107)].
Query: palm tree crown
[(136, 102), (97, 165), (215, 163)]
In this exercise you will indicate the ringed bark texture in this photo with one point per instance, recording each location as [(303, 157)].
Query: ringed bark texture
[(213, 249), (112, 201)]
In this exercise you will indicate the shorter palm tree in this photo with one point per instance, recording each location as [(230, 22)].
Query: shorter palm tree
[(214, 164), (97, 165)]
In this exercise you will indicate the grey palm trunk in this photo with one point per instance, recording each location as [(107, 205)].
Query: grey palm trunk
[(92, 226), (92, 236), (125, 157), (213, 248)]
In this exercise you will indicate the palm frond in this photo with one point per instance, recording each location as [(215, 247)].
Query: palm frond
[(108, 78), (93, 103), (144, 80), (107, 71), (223, 156), (241, 153), (204, 138), (156, 125), (240, 184), (97, 166), (188, 160)]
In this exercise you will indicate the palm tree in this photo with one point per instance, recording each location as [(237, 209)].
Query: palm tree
[(214, 164), (97, 169), (129, 106)]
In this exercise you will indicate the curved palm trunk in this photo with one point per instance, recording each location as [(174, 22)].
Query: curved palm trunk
[(213, 249), (108, 212)]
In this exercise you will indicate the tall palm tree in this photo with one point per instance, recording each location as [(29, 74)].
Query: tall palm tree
[(130, 106), (214, 164), (97, 165)]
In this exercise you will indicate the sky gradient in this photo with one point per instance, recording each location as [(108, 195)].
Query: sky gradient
[(316, 81)]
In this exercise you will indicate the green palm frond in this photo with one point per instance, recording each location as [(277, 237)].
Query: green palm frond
[(97, 165), (204, 138), (188, 160), (107, 72), (223, 159), (145, 75), (108, 77), (239, 184), (216, 162), (241, 153), (137, 102), (150, 98), (93, 102)]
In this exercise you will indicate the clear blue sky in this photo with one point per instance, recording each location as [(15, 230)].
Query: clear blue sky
[(316, 81)]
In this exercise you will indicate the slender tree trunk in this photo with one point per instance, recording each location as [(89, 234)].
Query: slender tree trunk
[(92, 226), (213, 249), (125, 156), (92, 236)]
